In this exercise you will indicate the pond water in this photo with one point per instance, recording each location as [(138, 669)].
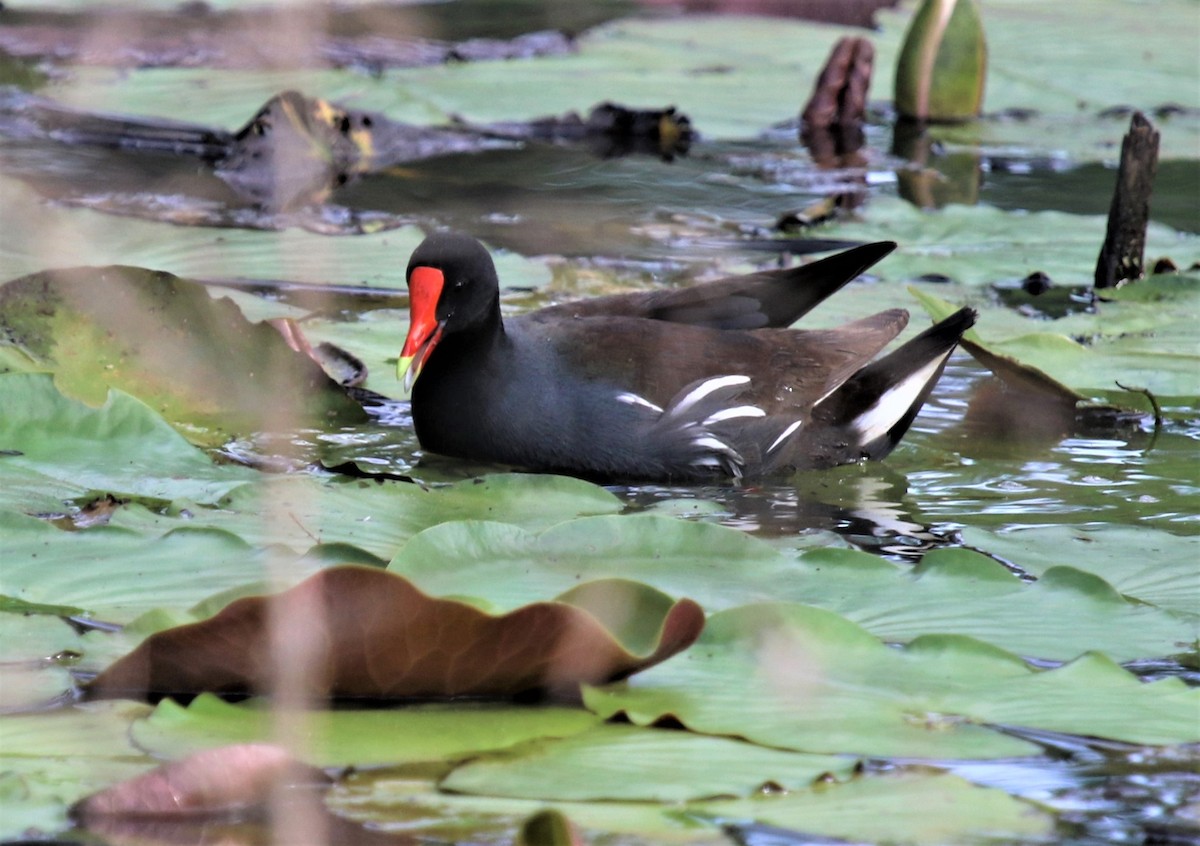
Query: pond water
[(980, 462)]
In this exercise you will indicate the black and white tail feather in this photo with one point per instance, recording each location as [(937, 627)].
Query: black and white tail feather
[(874, 408), (704, 430)]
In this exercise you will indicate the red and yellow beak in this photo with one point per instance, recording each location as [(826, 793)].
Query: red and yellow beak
[(424, 330)]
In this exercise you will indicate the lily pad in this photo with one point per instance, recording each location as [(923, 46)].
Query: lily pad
[(725, 72), (35, 654), (1142, 343), (62, 449), (375, 636), (626, 763), (50, 759), (1147, 565), (905, 808), (797, 677), (115, 574), (376, 517), (86, 237), (953, 592), (395, 736), (195, 359), (901, 808), (978, 245)]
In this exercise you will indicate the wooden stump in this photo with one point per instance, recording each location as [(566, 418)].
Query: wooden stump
[(1121, 256)]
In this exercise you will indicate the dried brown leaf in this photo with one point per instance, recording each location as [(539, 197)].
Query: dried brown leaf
[(375, 636)]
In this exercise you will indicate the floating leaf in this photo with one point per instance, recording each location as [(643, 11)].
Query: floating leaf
[(116, 574), (377, 637), (1148, 565), (196, 359), (637, 764), (904, 808), (975, 246), (52, 758), (901, 808), (724, 72), (376, 737), (62, 449), (35, 654), (299, 511), (953, 591), (801, 678), (1143, 341)]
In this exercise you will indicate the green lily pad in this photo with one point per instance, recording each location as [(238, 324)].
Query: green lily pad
[(952, 592), (49, 760), (797, 677), (62, 449), (415, 734), (1145, 564), (115, 574), (196, 359), (378, 518), (399, 802), (35, 653), (906, 808), (726, 73), (1143, 341), (902, 808), (978, 245), (488, 556), (626, 763)]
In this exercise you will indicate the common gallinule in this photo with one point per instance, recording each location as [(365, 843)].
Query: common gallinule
[(687, 384)]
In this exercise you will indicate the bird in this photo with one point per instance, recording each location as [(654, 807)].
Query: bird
[(697, 384)]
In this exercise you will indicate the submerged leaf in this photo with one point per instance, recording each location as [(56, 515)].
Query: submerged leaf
[(375, 636)]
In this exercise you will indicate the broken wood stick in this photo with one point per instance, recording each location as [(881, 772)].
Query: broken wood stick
[(1121, 256)]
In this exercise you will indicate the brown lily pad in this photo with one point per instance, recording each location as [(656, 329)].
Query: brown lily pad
[(371, 635)]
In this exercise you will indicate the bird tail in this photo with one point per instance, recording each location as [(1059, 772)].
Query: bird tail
[(875, 406)]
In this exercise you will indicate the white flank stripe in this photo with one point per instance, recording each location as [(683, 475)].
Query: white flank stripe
[(709, 442), (783, 436), (733, 413), (894, 402), (634, 399), (704, 389)]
